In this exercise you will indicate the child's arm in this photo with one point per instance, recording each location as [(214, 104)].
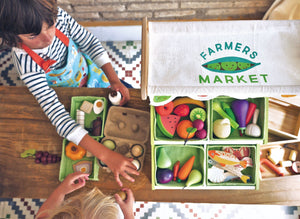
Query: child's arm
[(57, 196), (126, 205), (115, 83), (116, 162)]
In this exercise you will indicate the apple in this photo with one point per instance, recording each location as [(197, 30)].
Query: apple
[(165, 110), (182, 110)]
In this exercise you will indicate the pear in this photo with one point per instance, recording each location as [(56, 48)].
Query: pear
[(163, 160), (195, 176)]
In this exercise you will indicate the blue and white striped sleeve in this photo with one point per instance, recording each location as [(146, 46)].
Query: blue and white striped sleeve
[(86, 41), (53, 108), (36, 83)]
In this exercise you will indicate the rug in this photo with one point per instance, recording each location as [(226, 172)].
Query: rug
[(24, 208), (125, 58)]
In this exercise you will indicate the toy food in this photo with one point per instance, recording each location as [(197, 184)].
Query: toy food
[(84, 166), (214, 174), (253, 129), (232, 169), (251, 109), (122, 195), (175, 170), (137, 164), (240, 109), (293, 155), (198, 113), (275, 155), (216, 107), (198, 124), (97, 127), (109, 144), (224, 158), (86, 107), (271, 166), (296, 166), (44, 157), (201, 134), (182, 110), (228, 110), (240, 153), (221, 128), (187, 100), (167, 124), (98, 106), (164, 176), (74, 152), (186, 169), (163, 160), (182, 127), (80, 117), (194, 177), (165, 110), (115, 97), (137, 150)]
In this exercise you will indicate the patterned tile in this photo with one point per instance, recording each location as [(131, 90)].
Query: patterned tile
[(8, 75), (18, 208), (125, 57)]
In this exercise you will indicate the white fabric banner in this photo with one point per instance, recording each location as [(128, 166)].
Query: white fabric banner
[(235, 58)]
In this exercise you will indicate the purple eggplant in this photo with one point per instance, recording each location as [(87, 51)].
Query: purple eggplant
[(164, 176), (240, 109)]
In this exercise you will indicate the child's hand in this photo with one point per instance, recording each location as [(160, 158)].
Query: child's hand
[(126, 205), (123, 90), (120, 165), (69, 185)]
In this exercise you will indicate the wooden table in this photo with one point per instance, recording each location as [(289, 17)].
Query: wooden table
[(23, 125)]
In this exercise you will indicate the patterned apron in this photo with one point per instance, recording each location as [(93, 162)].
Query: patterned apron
[(79, 70)]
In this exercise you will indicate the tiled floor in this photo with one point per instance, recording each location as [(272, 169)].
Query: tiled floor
[(18, 208)]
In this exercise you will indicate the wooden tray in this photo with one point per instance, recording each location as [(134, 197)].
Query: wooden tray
[(284, 118)]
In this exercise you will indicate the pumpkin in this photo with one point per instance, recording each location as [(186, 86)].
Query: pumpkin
[(74, 152)]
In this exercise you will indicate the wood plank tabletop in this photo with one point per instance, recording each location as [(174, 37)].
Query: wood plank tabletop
[(23, 125)]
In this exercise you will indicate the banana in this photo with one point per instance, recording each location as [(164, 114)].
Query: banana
[(187, 100)]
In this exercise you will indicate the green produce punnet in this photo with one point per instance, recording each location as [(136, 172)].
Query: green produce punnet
[(205, 59)]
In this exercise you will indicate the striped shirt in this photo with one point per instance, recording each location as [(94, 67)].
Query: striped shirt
[(34, 76)]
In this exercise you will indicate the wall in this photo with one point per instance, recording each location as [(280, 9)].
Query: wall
[(112, 10)]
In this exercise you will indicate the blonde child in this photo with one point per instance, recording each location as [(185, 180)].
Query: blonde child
[(49, 49), (86, 205)]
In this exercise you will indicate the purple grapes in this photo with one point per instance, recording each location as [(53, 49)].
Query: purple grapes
[(45, 157)]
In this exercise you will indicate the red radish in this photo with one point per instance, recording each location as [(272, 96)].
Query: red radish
[(201, 134), (198, 124), (175, 170), (251, 109), (182, 110)]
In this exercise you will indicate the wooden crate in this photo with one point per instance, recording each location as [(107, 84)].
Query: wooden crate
[(284, 118)]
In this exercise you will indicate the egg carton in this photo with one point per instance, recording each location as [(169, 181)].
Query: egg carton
[(128, 131)]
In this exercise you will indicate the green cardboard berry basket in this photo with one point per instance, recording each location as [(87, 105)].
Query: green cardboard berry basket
[(77, 101), (252, 172), (66, 164), (262, 121), (180, 153), (159, 137)]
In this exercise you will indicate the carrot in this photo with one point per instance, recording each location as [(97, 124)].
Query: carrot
[(186, 169), (175, 170)]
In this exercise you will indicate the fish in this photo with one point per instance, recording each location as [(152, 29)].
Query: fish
[(232, 169), (224, 158)]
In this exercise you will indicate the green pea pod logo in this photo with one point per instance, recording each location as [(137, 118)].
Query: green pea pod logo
[(229, 65)]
